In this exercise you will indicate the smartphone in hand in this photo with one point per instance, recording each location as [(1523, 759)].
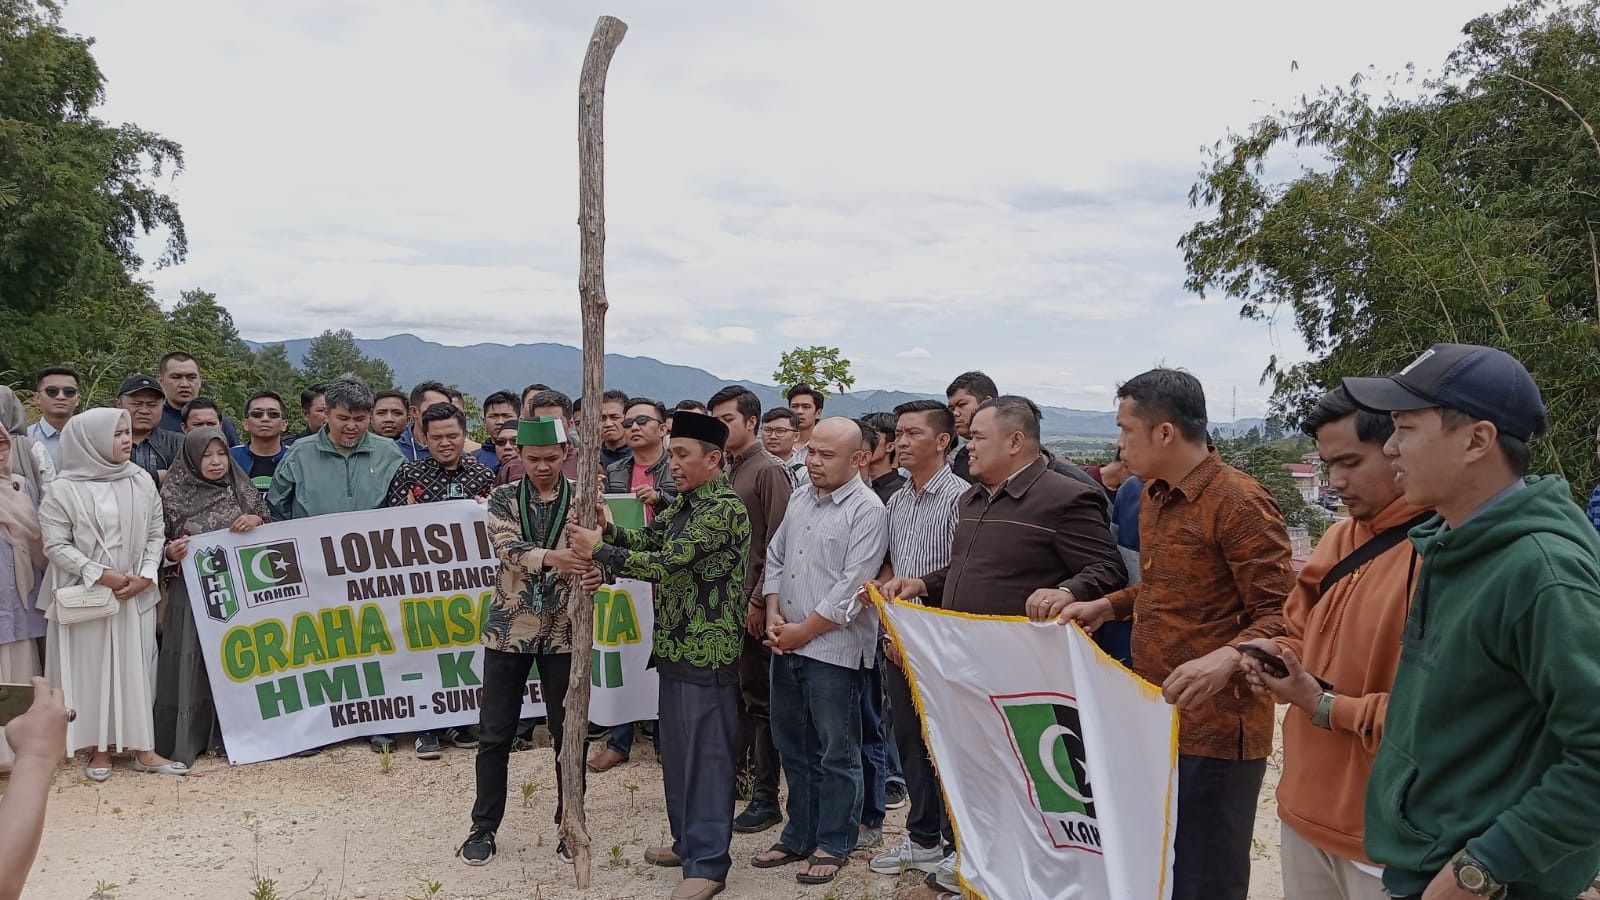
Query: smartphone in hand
[(15, 699), (1269, 661)]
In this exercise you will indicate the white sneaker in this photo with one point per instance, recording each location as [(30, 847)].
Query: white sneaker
[(905, 857), (944, 875)]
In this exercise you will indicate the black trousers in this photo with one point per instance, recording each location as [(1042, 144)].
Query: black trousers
[(926, 820), (505, 681), (755, 719), (697, 735), (1217, 800)]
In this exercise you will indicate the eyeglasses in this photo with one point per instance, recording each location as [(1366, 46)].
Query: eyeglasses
[(639, 420), (777, 431), (57, 391), (264, 414), (506, 442)]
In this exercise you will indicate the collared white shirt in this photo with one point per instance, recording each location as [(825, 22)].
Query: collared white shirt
[(825, 550)]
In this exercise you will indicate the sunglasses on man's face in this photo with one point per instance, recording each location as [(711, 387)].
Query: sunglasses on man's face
[(55, 391), (264, 414), (506, 442), (638, 420)]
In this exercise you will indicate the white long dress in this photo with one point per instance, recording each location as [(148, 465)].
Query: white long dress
[(106, 667)]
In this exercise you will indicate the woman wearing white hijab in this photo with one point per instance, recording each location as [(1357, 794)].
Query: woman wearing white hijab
[(101, 521), (21, 566)]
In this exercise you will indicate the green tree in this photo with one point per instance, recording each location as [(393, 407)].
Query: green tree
[(334, 353), (76, 193), (1463, 212), (821, 367)]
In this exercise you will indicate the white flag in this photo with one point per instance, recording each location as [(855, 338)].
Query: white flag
[(1059, 766)]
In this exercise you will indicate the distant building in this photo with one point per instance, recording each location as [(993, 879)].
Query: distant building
[(1308, 478)]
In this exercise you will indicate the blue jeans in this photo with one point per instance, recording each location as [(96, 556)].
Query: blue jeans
[(621, 737), (816, 725), (874, 747)]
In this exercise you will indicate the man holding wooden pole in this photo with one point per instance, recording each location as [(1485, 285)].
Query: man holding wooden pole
[(695, 551)]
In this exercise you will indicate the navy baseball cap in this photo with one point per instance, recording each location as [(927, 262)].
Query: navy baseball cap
[(138, 383), (1483, 382)]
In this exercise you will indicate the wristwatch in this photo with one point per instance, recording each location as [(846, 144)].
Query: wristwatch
[(1473, 878), (1322, 716)]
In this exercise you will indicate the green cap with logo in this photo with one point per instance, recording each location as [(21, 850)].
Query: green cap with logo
[(544, 431)]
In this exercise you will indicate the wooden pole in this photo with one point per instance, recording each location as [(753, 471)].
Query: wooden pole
[(603, 43)]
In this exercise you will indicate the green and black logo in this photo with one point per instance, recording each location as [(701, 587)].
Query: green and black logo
[(1047, 737), (216, 583), (271, 573)]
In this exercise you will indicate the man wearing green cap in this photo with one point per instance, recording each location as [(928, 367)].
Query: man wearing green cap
[(528, 628), (695, 551)]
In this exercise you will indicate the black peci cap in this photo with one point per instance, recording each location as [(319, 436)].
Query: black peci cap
[(700, 427)]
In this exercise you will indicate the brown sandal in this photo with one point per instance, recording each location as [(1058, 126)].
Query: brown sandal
[(822, 859), (789, 856)]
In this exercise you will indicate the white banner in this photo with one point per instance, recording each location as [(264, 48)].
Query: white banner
[(321, 630), (1059, 766)]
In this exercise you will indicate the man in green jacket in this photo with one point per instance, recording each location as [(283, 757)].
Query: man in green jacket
[(341, 468), (1487, 783)]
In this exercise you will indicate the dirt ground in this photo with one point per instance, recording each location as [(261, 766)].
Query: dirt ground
[(338, 826)]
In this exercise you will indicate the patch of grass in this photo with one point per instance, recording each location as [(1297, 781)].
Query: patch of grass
[(633, 791), (104, 890), (385, 761), (430, 889), (617, 858), (527, 793), (265, 888)]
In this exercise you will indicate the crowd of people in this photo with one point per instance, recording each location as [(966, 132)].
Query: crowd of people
[(1435, 648)]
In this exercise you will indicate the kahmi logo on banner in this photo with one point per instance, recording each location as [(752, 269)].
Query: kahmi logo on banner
[(271, 573), (1047, 737)]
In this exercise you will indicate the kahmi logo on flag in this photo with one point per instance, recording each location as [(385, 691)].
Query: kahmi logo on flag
[(271, 573), (1047, 738)]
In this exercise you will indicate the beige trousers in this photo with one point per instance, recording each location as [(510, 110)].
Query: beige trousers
[(1311, 874)]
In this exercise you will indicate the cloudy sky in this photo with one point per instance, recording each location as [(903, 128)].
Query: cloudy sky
[(930, 187)]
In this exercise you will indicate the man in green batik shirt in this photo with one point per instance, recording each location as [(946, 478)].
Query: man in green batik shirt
[(695, 551)]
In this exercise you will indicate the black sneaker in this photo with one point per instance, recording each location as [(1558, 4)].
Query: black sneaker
[(894, 795), (383, 742), (563, 852), (479, 848), (428, 745), (461, 738), (520, 744), (758, 816)]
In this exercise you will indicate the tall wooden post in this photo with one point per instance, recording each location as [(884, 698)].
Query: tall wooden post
[(603, 43)]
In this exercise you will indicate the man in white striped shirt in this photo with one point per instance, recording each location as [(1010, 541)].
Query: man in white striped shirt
[(831, 542), (922, 524)]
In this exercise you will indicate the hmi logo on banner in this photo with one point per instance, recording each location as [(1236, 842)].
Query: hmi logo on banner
[(1047, 738), (216, 583), (271, 573)]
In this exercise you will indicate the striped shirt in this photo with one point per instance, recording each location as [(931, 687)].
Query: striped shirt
[(825, 550), (922, 524)]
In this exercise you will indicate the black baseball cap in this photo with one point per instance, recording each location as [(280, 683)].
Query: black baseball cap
[(1483, 382), (137, 383)]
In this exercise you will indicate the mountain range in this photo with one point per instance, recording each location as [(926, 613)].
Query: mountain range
[(482, 369)]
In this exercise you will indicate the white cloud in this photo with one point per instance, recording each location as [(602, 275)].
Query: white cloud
[(1004, 190)]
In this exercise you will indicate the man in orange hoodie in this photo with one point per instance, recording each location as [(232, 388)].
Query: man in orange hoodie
[(1343, 622)]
